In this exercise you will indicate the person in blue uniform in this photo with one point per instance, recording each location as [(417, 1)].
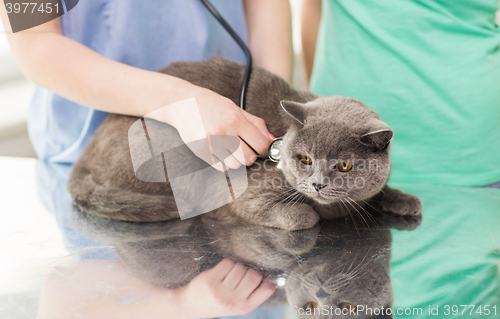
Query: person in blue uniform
[(101, 57)]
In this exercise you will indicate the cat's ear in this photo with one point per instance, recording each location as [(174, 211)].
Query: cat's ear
[(379, 135), (296, 111)]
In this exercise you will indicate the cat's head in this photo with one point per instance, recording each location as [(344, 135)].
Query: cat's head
[(322, 288), (335, 148), (345, 275)]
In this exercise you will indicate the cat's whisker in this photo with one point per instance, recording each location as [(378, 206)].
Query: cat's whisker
[(358, 269), (285, 199), (352, 217), (346, 273), (368, 214), (293, 196), (293, 200), (300, 199), (293, 192), (360, 214), (366, 202), (357, 211), (354, 270), (338, 284), (349, 269), (306, 282), (359, 273), (288, 191), (342, 271)]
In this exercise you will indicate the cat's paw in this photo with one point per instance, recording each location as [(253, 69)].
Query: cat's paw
[(298, 242), (403, 205), (399, 222), (298, 217)]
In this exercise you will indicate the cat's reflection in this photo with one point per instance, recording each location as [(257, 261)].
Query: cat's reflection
[(333, 270)]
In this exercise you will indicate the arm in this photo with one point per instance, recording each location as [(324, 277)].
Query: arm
[(311, 16), (270, 35), (79, 74), (106, 289)]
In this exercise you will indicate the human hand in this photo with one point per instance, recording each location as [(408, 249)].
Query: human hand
[(228, 289), (210, 114)]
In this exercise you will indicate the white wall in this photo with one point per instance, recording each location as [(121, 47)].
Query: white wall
[(9, 68)]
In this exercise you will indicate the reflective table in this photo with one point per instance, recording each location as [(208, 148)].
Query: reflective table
[(59, 262)]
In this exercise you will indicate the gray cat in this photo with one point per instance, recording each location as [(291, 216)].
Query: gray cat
[(335, 160)]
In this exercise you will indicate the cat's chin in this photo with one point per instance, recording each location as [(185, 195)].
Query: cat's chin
[(322, 198), (323, 201), (327, 200)]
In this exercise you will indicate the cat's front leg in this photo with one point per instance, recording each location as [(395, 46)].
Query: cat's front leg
[(396, 202), (280, 207)]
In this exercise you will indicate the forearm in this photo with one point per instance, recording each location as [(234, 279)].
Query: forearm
[(311, 16), (270, 35), (79, 74), (124, 296)]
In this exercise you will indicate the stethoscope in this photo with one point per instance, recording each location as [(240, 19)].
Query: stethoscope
[(275, 152), (275, 147)]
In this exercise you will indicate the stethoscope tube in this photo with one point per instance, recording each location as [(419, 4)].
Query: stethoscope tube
[(243, 46), (275, 147)]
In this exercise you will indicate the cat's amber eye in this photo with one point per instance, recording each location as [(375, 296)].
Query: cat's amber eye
[(306, 159), (310, 305), (347, 307), (344, 167)]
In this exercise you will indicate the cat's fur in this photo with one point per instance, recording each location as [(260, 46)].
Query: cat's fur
[(329, 130)]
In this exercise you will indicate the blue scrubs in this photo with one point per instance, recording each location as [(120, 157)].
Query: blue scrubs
[(148, 35)]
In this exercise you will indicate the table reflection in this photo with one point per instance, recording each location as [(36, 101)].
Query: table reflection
[(336, 266), (450, 259)]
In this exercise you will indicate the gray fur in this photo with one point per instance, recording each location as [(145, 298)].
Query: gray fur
[(330, 130)]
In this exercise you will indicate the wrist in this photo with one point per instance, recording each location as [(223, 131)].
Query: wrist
[(179, 305), (180, 91)]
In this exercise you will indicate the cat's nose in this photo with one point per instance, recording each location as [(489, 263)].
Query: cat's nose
[(321, 294), (317, 186)]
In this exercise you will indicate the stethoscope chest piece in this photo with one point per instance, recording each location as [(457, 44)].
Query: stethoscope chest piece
[(275, 152)]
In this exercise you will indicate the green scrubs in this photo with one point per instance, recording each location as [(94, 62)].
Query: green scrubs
[(452, 258), (431, 69)]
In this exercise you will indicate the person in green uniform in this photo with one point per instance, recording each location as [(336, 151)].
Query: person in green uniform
[(431, 69)]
